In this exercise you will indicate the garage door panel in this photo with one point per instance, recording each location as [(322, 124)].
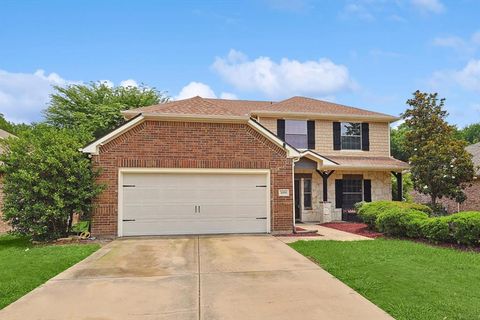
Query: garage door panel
[(187, 203)]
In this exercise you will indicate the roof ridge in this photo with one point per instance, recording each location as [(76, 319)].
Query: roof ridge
[(329, 102)]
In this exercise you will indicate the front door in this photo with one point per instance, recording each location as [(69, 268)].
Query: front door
[(296, 188)]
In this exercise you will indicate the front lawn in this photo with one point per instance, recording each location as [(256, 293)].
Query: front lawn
[(406, 279), (24, 266)]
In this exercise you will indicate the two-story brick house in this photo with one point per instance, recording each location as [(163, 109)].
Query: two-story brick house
[(233, 166)]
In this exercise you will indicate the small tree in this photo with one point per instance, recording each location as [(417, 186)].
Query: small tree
[(46, 181), (440, 165), (95, 107)]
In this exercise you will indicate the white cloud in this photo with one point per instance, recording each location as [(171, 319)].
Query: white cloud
[(228, 96), (465, 46), (203, 90), (467, 77), (429, 6), (24, 95), (357, 10), (195, 89), (284, 78), (129, 83)]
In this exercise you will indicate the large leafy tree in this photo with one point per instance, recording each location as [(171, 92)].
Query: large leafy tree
[(11, 127), (46, 181), (470, 133), (397, 142), (440, 165), (95, 108)]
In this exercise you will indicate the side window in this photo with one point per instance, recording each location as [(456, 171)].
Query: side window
[(296, 133), (351, 136), (307, 193)]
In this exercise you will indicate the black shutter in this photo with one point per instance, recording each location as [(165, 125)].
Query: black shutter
[(367, 190), (311, 134), (338, 193), (281, 129), (365, 137), (337, 143)]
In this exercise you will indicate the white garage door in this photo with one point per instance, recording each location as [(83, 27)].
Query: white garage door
[(193, 203)]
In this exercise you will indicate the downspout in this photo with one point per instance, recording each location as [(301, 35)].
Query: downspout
[(293, 193)]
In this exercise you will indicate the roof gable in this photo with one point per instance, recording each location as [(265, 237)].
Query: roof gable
[(298, 106)]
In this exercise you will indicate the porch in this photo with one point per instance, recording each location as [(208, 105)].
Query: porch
[(326, 189)]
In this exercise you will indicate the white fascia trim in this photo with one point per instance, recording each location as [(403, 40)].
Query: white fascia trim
[(322, 161), (94, 146), (291, 152)]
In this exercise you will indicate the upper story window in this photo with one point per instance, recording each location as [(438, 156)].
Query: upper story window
[(296, 133), (351, 133)]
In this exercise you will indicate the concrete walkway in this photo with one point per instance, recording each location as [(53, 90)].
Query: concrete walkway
[(206, 277), (324, 233)]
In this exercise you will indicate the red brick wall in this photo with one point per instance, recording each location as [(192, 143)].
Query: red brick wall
[(162, 144), (4, 227), (471, 204)]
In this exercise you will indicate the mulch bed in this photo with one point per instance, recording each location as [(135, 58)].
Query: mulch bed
[(353, 227)]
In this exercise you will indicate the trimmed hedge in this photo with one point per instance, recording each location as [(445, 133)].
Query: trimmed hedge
[(369, 211), (410, 220)]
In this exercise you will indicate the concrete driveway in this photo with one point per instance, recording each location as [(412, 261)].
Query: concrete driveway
[(206, 277)]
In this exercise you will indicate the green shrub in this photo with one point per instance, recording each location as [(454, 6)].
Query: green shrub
[(465, 227), (400, 222), (369, 211), (437, 230)]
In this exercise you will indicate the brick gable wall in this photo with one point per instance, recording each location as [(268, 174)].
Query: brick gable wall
[(164, 144)]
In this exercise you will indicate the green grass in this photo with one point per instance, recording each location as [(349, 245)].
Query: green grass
[(24, 266), (406, 279)]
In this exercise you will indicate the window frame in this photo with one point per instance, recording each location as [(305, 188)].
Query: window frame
[(360, 136), (305, 147), (309, 193), (347, 177)]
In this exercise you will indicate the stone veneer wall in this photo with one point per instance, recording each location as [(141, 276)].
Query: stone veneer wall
[(381, 190)]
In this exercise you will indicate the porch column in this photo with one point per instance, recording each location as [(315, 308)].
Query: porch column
[(398, 175), (325, 175)]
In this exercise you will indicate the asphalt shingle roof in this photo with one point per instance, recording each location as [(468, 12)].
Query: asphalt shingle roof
[(207, 106)]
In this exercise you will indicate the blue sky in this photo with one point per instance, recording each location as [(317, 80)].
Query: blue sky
[(367, 53)]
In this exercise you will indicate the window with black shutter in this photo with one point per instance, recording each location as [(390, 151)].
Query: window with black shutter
[(311, 134), (365, 137), (338, 193), (281, 129), (367, 190), (337, 142)]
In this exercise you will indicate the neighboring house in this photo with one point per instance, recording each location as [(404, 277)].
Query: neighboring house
[(233, 166), (473, 192), (4, 227)]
